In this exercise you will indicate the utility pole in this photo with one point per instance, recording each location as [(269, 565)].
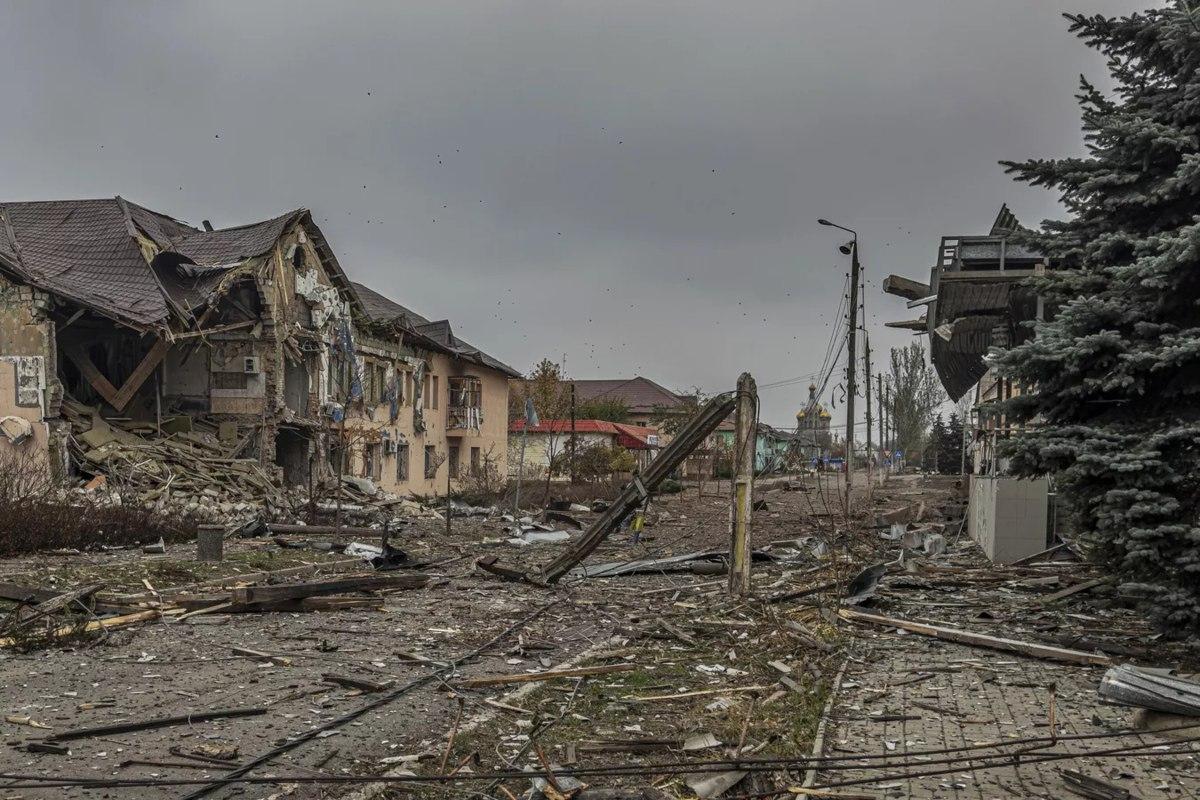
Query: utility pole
[(851, 250), (891, 412), (882, 418), (745, 445), (867, 378), (851, 371)]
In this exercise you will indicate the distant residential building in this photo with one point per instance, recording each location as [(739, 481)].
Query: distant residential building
[(550, 441), (644, 398)]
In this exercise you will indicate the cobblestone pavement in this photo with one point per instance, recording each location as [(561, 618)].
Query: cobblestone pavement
[(942, 695)]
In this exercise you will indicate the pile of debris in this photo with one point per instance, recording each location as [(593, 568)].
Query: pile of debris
[(42, 616), (184, 463)]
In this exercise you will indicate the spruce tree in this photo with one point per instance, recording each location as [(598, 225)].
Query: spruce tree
[(950, 446), (931, 459), (1116, 405)]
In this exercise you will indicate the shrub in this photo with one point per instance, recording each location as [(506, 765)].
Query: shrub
[(37, 514)]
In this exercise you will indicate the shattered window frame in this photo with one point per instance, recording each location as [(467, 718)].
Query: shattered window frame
[(402, 455)]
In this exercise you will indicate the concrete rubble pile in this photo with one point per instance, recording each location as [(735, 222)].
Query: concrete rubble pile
[(200, 468), (188, 467)]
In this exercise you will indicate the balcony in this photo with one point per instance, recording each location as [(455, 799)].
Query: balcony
[(464, 417)]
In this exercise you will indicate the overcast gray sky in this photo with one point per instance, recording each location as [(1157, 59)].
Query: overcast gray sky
[(631, 185)]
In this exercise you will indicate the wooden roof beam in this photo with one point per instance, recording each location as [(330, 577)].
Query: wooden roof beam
[(906, 287)]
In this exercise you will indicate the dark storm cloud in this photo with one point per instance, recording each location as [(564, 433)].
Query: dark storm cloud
[(633, 185)]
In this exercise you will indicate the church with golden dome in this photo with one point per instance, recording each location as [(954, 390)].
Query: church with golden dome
[(812, 427)]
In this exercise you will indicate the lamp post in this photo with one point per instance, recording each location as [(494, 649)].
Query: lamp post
[(850, 249)]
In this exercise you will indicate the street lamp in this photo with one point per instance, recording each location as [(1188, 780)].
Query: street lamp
[(850, 249)]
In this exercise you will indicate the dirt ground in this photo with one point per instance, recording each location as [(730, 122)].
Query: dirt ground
[(691, 673)]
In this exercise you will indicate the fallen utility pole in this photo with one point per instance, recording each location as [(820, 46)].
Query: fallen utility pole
[(638, 490), (745, 447), (979, 639)]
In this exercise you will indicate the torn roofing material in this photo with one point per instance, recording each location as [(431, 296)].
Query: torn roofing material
[(84, 250), (382, 309), (1152, 689), (88, 251)]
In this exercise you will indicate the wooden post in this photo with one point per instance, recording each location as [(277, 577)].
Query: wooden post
[(743, 483)]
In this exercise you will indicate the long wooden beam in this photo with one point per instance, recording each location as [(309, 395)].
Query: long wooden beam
[(690, 437), (961, 636), (919, 325), (246, 595), (118, 398), (905, 287)]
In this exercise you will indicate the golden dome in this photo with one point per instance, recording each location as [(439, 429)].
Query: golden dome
[(825, 414), (801, 414)]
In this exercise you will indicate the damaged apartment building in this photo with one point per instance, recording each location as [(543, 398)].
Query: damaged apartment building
[(245, 350)]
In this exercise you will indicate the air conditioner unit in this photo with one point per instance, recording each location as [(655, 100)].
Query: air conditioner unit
[(251, 364)]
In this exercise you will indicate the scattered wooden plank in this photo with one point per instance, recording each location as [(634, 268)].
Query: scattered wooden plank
[(258, 655), (159, 722), (361, 684), (652, 698), (506, 707), (249, 577), (208, 609), (100, 624), (27, 594), (1071, 590), (526, 677), (1036, 556), (1031, 649), (247, 595)]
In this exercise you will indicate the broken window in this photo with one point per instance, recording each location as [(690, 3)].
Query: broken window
[(369, 382), (373, 461), (475, 460), (435, 392), (380, 383), (402, 463), (454, 460), (466, 402), (431, 463)]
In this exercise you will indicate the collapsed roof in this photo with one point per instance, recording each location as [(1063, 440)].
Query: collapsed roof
[(146, 269), (91, 252)]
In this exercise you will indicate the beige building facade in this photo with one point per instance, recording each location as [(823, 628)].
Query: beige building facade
[(254, 333)]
